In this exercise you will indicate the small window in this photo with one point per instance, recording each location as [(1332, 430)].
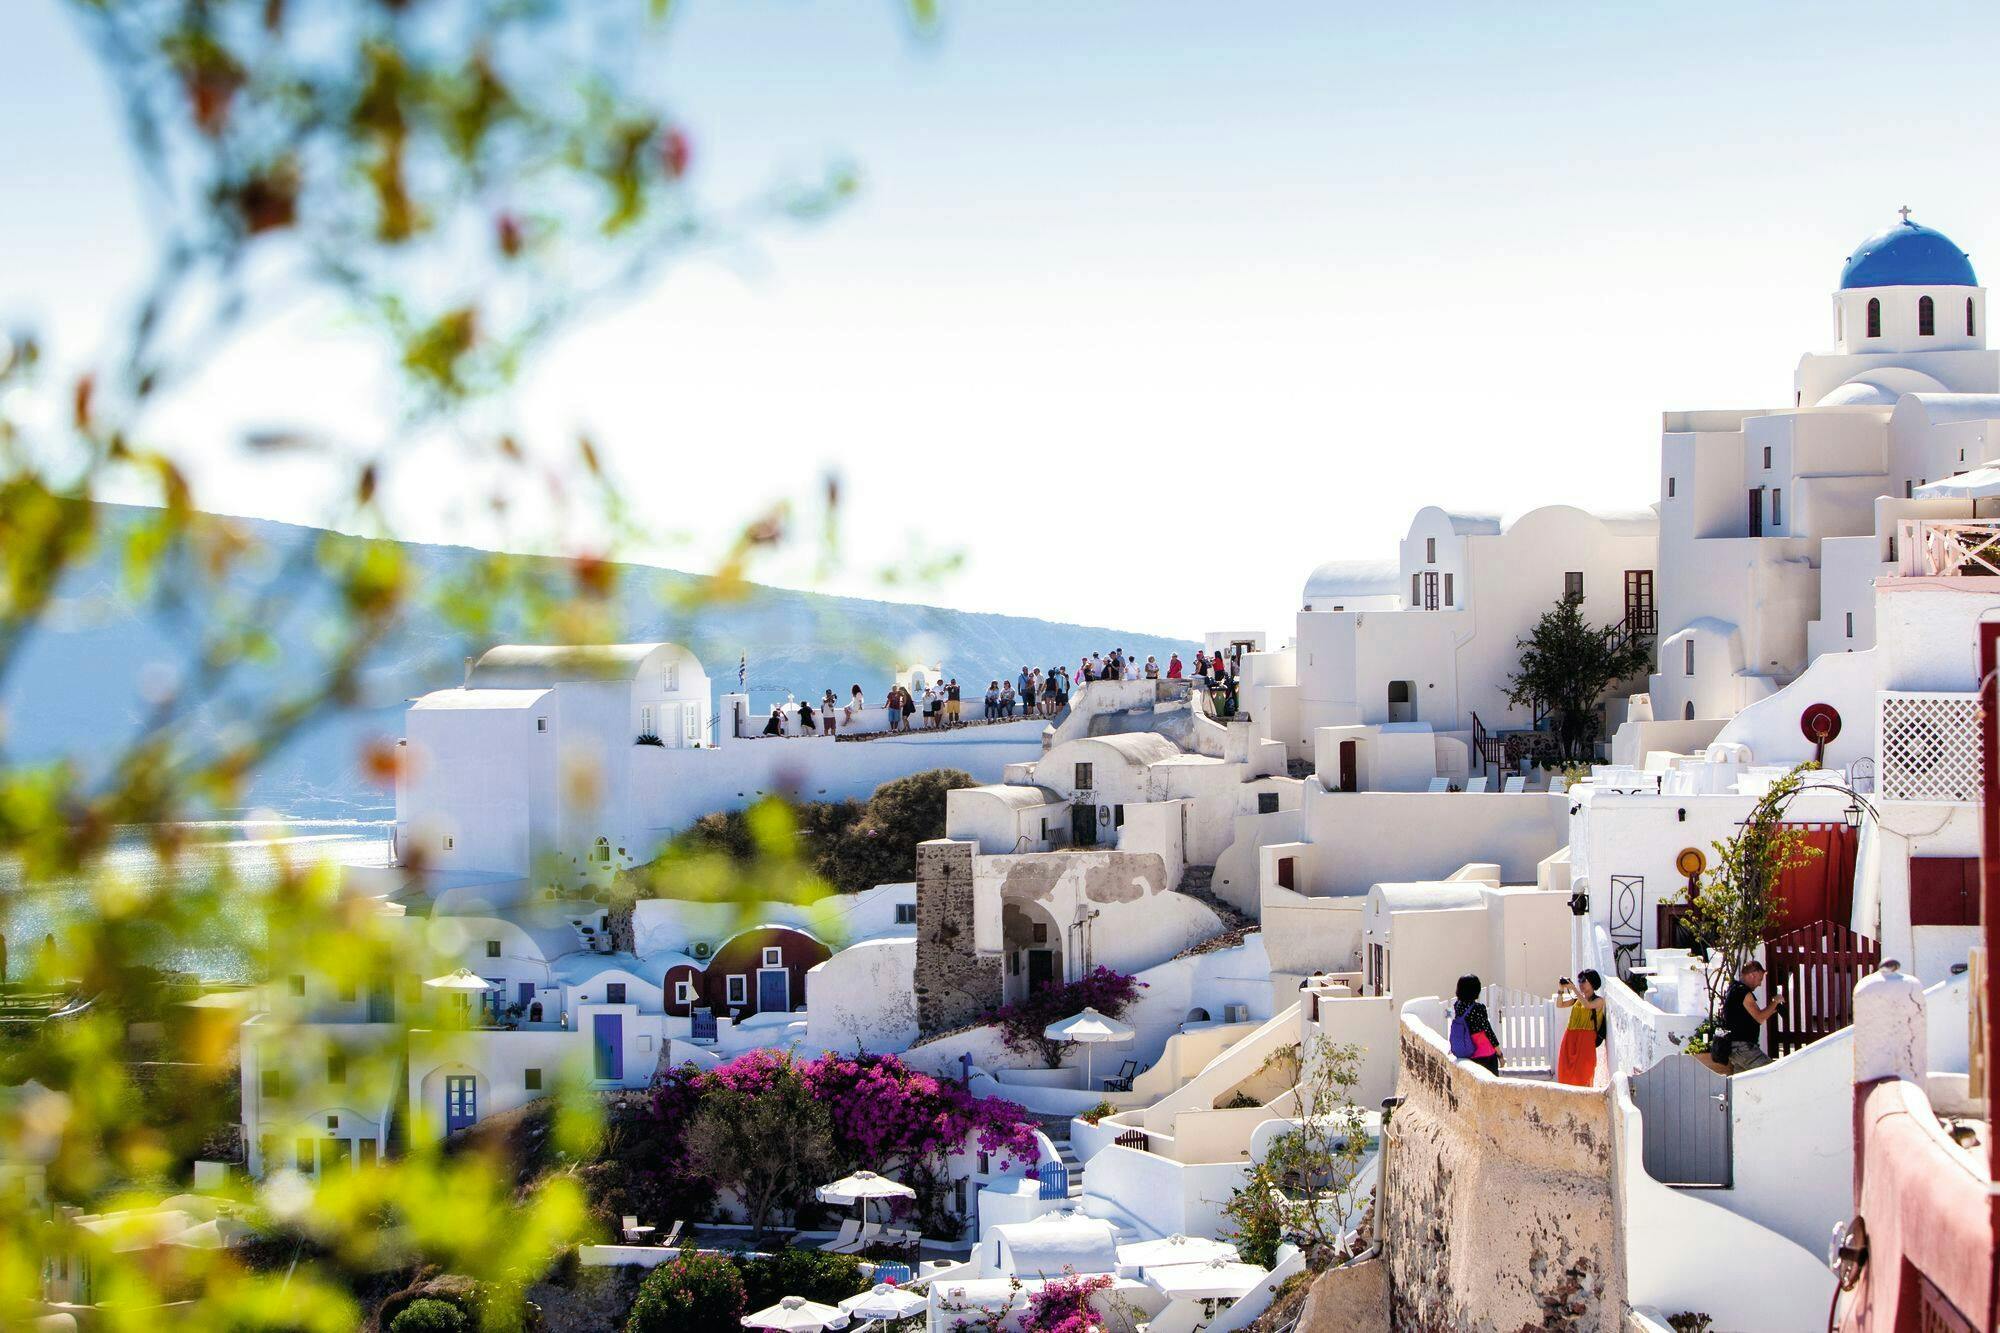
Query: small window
[(1416, 590), (448, 842), (1083, 776), (333, 1122), (1430, 550), (271, 1083), (541, 724), (1687, 655), (1267, 803), (1850, 624), (674, 678), (1670, 488), (1971, 322), (1926, 317), (1687, 711), (906, 914), (1767, 456), (1287, 876), (683, 991), (614, 992), (602, 851), (1117, 816), (1573, 583), (1777, 507), (1039, 933), (298, 985), (774, 958), (531, 1079), (1874, 317), (1909, 489), (738, 989), (1447, 589), (336, 1069), (493, 948)]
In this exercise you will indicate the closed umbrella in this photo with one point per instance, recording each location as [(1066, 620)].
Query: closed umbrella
[(883, 1301), (1175, 1249), (799, 1314), (1090, 1028), (1216, 1280)]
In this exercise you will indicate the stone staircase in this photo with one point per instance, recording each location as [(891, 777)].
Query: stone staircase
[(1057, 1128), (1195, 882)]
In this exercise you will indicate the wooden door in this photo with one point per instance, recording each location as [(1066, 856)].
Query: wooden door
[(608, 1042), (461, 1102), (1639, 614), (1819, 966), (1083, 825), (1041, 969), (774, 990), (1756, 511), (1685, 1112), (1349, 777)]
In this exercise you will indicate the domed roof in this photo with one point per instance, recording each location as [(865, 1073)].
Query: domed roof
[(1908, 255)]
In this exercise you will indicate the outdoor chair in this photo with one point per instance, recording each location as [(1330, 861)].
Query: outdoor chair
[(849, 1230), (1123, 1082), (673, 1236), (1439, 784), (634, 1233), (1515, 786), (1476, 784), (869, 1235)]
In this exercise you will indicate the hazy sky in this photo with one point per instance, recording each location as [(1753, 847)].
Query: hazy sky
[(1150, 308)]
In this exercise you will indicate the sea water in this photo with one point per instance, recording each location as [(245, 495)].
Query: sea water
[(254, 849)]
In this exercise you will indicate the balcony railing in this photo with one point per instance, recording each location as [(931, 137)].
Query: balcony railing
[(1956, 548)]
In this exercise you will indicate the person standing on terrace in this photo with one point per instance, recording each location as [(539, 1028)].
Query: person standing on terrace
[(1471, 1030), (1173, 666), (1576, 1059)]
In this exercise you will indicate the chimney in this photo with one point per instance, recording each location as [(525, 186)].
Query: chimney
[(466, 684)]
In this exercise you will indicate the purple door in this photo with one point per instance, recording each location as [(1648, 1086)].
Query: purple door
[(609, 1032)]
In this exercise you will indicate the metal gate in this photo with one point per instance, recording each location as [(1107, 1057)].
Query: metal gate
[(1819, 966), (1686, 1109)]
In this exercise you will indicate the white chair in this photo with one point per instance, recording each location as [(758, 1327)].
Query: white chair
[(1439, 784), (1514, 786), (850, 1231), (673, 1235), (1558, 785), (1476, 784)]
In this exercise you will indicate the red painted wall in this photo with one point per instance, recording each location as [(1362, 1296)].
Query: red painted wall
[(742, 955)]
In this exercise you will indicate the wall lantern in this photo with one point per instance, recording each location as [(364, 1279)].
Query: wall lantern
[(1852, 814)]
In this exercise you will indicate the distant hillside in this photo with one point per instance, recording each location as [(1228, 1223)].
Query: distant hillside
[(83, 680)]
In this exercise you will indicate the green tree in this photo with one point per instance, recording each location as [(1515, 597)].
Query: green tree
[(1305, 1188), (771, 1145), (1566, 666), (881, 846), (427, 1314), (1737, 903), (690, 1293), (794, 1271)]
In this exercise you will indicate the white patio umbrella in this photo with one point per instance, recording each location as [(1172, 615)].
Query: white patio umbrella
[(1090, 1028), (797, 1313), (221, 1233), (1175, 1249), (861, 1187), (1216, 1280), (883, 1301), (1981, 483), (464, 983)]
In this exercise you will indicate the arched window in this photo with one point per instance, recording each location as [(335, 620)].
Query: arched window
[(602, 851), (1687, 711), (1971, 323), (1874, 317), (1926, 317)]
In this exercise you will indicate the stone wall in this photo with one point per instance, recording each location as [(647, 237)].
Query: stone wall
[(954, 986), (1497, 1213)]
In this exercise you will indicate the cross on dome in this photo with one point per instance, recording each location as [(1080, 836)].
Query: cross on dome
[(1905, 211)]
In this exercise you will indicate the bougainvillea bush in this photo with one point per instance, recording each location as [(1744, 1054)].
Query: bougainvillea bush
[(1064, 1305), (886, 1117), (1023, 1022)]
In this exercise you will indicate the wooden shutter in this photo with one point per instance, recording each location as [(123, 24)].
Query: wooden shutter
[(1944, 891)]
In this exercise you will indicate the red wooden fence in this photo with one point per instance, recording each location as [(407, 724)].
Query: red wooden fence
[(1818, 965)]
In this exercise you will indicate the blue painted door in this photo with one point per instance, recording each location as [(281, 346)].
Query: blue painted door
[(609, 1031), (461, 1105), (527, 995), (774, 990)]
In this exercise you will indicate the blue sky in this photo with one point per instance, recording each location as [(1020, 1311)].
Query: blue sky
[(1149, 308)]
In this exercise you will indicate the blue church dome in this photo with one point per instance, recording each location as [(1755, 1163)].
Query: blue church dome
[(1908, 255)]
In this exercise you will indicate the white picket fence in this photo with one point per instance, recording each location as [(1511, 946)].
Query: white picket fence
[(1529, 1028)]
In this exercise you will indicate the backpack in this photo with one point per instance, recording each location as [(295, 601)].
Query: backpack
[(1461, 1037)]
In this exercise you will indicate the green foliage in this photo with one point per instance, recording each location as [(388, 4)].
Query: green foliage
[(774, 1145), (427, 1314), (1097, 1113), (793, 1271), (1304, 1189), (690, 1293), (1737, 903), (1690, 1321), (850, 845), (1566, 666)]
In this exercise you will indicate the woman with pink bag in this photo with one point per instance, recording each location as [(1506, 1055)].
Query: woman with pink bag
[(1472, 1035)]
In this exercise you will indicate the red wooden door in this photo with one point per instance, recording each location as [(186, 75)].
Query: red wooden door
[(1819, 966), (1944, 890)]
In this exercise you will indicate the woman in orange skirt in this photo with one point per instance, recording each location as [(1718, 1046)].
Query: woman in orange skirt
[(1576, 1060)]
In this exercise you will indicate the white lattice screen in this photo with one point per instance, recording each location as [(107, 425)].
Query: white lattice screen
[(1930, 747)]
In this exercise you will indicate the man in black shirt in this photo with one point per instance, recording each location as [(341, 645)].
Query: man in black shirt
[(1743, 1018)]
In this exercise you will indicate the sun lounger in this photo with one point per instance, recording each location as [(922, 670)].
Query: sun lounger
[(850, 1231), (1514, 786), (871, 1234), (1439, 784), (1476, 784), (673, 1236)]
